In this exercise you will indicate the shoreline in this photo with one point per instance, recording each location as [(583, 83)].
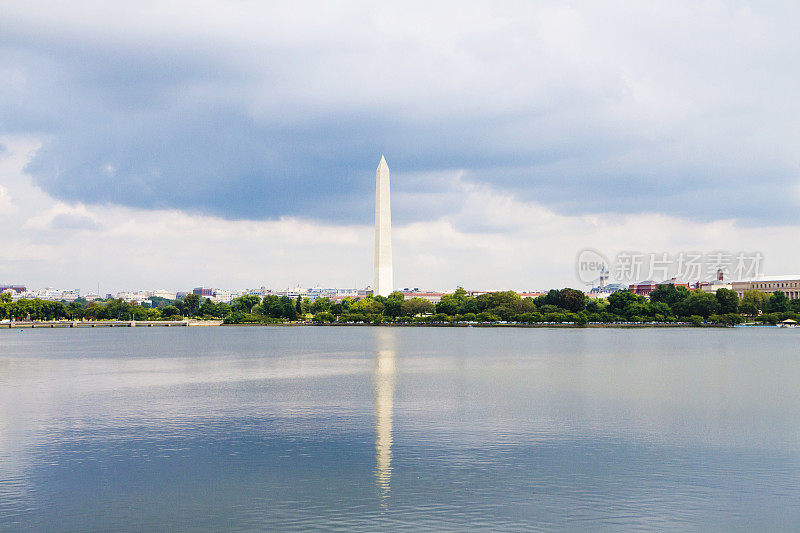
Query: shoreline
[(200, 323)]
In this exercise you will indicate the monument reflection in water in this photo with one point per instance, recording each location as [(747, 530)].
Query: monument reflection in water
[(384, 377)]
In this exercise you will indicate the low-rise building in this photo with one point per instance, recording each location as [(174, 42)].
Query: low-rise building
[(203, 292), (790, 285), (16, 289), (49, 293), (161, 293), (222, 295), (530, 294), (432, 297), (644, 288), (713, 286), (604, 291)]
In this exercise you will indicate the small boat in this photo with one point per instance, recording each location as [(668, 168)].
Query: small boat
[(788, 323)]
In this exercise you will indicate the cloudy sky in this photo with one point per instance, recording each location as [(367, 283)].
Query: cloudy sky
[(175, 144)]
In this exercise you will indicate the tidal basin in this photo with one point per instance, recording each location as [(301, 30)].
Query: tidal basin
[(381, 428)]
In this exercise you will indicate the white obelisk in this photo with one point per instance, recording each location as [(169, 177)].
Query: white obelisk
[(383, 233)]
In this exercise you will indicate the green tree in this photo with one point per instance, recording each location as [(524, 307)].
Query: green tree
[(637, 309), (324, 316), (191, 305), (752, 302), (731, 319), (222, 310), (170, 311), (367, 306), (777, 303), (93, 311), (595, 305), (485, 316), (321, 305), (504, 312), (118, 310), (452, 304), (671, 295), (728, 301), (208, 308), (288, 310), (571, 300), (702, 304), (619, 301), (270, 306), (659, 310), (551, 298), (497, 299), (417, 306), (160, 303), (74, 310), (448, 305), (525, 305), (245, 303), (393, 306)]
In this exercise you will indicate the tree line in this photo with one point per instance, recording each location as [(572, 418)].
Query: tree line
[(666, 304)]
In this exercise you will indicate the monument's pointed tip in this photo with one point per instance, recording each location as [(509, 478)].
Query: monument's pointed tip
[(383, 161)]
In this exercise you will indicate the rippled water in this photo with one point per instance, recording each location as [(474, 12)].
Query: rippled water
[(399, 429)]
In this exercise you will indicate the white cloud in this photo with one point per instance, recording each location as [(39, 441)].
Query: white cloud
[(6, 204), (490, 240)]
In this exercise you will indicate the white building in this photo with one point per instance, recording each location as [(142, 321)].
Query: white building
[(161, 293), (50, 293), (222, 295)]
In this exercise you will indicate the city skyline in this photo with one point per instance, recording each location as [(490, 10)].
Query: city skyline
[(518, 134)]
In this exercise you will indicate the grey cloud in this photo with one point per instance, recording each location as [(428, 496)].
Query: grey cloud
[(572, 107), (73, 222)]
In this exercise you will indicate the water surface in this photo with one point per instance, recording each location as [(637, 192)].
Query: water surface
[(361, 428)]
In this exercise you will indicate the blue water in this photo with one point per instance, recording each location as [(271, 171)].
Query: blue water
[(365, 429)]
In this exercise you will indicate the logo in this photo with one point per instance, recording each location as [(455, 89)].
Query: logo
[(590, 265)]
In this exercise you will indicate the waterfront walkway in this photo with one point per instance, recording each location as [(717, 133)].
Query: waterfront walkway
[(107, 323)]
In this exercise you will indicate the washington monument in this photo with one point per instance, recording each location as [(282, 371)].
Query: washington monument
[(384, 280)]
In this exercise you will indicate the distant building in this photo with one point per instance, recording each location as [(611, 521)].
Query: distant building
[(473, 294), (713, 286), (168, 295), (432, 297), (605, 291), (258, 292), (204, 292), (530, 294), (70, 295), (644, 288), (222, 295), (790, 285), (18, 289), (49, 293), (134, 296)]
